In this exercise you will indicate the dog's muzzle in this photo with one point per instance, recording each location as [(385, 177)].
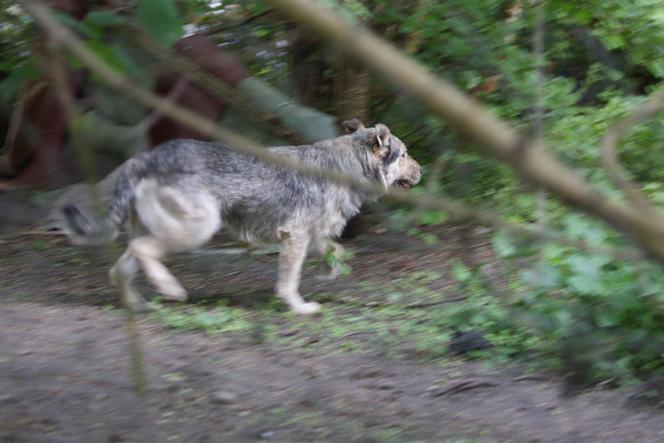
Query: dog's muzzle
[(410, 181)]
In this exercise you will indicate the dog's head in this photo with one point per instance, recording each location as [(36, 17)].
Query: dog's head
[(397, 168)]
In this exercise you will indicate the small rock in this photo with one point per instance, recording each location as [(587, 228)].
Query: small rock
[(649, 393), (223, 397), (464, 342), (267, 435)]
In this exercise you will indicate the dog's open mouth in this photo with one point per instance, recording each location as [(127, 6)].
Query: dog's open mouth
[(404, 184)]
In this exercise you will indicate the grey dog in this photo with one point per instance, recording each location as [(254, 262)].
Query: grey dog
[(180, 194)]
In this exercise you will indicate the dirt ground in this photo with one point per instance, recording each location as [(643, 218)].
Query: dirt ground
[(66, 372)]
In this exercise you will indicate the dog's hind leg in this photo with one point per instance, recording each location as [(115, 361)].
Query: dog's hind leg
[(149, 250), (291, 257), (122, 275), (177, 219)]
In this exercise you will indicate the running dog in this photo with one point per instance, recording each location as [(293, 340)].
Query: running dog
[(177, 196)]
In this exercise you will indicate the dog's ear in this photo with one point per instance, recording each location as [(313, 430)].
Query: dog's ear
[(382, 143), (352, 125)]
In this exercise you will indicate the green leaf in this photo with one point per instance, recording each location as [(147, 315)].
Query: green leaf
[(106, 53), (137, 71), (503, 246), (71, 22), (583, 16), (606, 318), (428, 238), (562, 318), (543, 275), (584, 284), (159, 18), (614, 41), (20, 73), (431, 217), (590, 265), (460, 272), (581, 227), (104, 19)]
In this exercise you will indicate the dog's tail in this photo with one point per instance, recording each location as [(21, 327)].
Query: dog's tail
[(90, 231)]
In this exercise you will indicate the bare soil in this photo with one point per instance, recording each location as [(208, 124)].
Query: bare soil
[(66, 371)]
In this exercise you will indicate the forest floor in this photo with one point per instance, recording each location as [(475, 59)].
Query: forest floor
[(232, 365)]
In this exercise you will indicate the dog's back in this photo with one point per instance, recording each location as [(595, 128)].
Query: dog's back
[(256, 198)]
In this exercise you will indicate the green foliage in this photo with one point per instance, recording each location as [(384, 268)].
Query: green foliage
[(602, 58), (160, 19), (617, 304), (16, 66), (210, 320), (339, 263), (18, 73), (351, 10)]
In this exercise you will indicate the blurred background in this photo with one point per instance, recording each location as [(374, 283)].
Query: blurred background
[(517, 319)]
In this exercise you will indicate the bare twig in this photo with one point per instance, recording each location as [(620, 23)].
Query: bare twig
[(223, 27), (464, 385), (16, 121), (610, 157), (435, 173), (155, 115), (434, 303), (63, 91)]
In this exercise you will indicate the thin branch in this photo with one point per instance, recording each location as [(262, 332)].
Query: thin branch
[(436, 172), (609, 144), (223, 27), (16, 119), (172, 96), (84, 154)]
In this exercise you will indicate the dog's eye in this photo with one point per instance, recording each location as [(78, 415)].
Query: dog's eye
[(403, 155)]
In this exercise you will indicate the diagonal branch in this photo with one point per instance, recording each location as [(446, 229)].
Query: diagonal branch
[(608, 150)]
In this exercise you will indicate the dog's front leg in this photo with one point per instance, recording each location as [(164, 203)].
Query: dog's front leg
[(294, 246)]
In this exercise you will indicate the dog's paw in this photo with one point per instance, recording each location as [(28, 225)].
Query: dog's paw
[(175, 297), (142, 307), (307, 308), (174, 293), (113, 276)]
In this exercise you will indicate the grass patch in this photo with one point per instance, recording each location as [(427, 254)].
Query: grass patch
[(208, 319)]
